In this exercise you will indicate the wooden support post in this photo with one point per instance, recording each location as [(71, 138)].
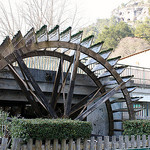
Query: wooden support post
[(56, 85), (35, 86), (72, 83)]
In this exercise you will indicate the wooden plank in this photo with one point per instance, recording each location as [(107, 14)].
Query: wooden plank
[(78, 142), (92, 143), (121, 142), (114, 144), (16, 145), (63, 144), (38, 144), (99, 143), (85, 145), (56, 85), (126, 141), (29, 144), (72, 84), (37, 89), (106, 142), (144, 141), (55, 145), (4, 144), (132, 141), (47, 145), (138, 141), (148, 140), (71, 144), (99, 102)]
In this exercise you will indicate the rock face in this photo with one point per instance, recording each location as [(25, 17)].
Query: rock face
[(129, 46), (132, 11)]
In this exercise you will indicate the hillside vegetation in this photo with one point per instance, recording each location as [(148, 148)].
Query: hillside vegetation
[(112, 32)]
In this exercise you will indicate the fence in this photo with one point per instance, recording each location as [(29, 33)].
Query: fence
[(106, 143)]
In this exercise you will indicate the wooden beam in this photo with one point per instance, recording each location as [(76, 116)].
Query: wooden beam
[(56, 85), (79, 105), (24, 88), (99, 102), (72, 83), (37, 89)]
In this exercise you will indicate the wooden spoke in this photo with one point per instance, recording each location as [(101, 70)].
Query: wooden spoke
[(84, 101), (64, 82), (56, 85), (24, 88), (35, 86), (99, 102), (72, 84)]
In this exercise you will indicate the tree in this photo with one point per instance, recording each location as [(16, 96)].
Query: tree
[(23, 15), (113, 34), (142, 30)]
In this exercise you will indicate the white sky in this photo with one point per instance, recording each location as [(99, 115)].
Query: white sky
[(98, 9), (90, 9)]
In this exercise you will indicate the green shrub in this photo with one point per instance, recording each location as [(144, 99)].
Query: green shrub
[(49, 129), (136, 127), (4, 124)]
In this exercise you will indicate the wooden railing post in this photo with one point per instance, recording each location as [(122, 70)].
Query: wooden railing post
[(63, 144), (85, 146), (78, 144), (106, 143), (138, 141), (144, 141), (47, 145), (29, 144), (71, 144), (4, 144), (99, 143), (55, 144), (148, 140), (132, 141), (16, 145), (121, 142), (92, 143), (126, 141), (114, 146)]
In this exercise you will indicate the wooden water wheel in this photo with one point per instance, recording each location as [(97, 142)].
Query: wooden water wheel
[(80, 54)]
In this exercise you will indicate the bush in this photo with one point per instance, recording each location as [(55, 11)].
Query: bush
[(4, 124), (42, 129), (136, 127)]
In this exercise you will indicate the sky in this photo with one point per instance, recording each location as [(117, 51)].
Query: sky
[(90, 9), (98, 9)]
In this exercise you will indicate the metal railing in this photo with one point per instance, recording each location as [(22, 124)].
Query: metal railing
[(141, 75)]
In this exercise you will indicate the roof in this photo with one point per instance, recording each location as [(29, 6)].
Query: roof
[(135, 54)]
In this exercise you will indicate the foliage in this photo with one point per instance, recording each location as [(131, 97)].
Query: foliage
[(49, 129), (142, 30), (113, 34), (4, 123), (96, 28), (136, 127)]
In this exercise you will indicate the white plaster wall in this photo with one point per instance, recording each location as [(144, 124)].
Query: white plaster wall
[(140, 60)]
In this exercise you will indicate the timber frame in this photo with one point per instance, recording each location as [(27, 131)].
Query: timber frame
[(12, 51)]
